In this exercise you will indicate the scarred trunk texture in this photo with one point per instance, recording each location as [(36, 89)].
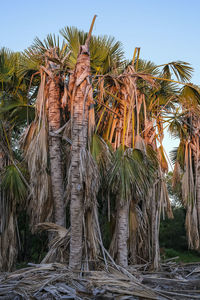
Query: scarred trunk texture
[(122, 235), (79, 112), (54, 118)]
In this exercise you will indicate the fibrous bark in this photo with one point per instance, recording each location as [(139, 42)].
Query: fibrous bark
[(122, 235), (80, 112), (54, 118)]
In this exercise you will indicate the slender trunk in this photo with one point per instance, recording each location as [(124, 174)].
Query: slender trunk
[(54, 118), (122, 235), (155, 223), (198, 194), (79, 143), (133, 228)]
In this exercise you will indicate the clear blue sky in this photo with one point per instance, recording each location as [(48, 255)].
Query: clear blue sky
[(165, 30)]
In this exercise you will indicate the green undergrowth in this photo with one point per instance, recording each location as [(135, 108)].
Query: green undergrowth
[(173, 239), (181, 256)]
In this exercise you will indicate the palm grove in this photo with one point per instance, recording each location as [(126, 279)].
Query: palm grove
[(81, 150)]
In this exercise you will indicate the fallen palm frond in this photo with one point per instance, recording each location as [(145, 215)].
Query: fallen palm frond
[(57, 281), (58, 245)]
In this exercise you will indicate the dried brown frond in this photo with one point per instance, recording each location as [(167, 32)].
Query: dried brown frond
[(35, 147), (59, 244)]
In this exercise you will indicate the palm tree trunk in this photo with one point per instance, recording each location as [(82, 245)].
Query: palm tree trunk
[(79, 143), (80, 101), (133, 228), (122, 235), (198, 194), (54, 118), (155, 224)]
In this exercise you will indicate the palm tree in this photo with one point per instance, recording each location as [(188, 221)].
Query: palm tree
[(186, 158), (71, 87), (54, 106), (12, 182), (82, 123), (130, 114), (42, 143)]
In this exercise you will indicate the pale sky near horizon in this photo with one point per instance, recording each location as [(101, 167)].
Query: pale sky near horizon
[(165, 30)]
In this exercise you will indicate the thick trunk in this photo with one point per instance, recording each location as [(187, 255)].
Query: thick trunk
[(79, 116), (54, 118), (122, 235)]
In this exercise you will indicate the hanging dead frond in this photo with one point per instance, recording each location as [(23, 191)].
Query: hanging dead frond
[(59, 244), (34, 144)]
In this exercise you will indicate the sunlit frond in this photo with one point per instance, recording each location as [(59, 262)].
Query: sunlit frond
[(182, 70), (105, 52)]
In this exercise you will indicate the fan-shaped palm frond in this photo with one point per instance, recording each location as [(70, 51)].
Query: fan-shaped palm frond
[(13, 184), (35, 56), (182, 70), (176, 126), (13, 97), (128, 174), (101, 153), (146, 66), (190, 96), (7, 65), (178, 154), (105, 52)]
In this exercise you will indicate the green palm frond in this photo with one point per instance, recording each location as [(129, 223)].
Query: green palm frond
[(129, 174), (51, 41), (178, 155), (7, 64), (182, 70), (147, 67), (190, 95), (152, 159), (13, 184), (17, 111), (120, 175), (105, 52), (176, 126), (13, 98), (34, 57), (101, 153), (167, 91)]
